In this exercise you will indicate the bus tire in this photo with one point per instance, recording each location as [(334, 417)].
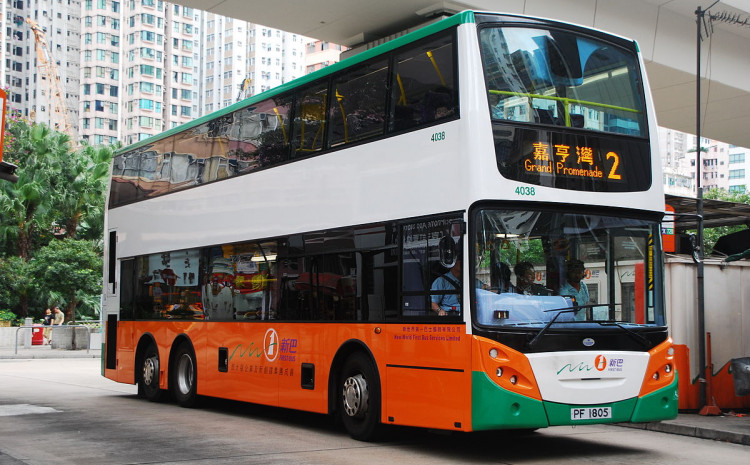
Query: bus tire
[(148, 380), (359, 398), (183, 376)]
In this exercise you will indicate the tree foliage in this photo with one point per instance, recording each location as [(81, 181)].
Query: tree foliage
[(66, 272), (711, 235), (59, 195)]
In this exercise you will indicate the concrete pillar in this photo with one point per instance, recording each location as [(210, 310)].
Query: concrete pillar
[(27, 333)]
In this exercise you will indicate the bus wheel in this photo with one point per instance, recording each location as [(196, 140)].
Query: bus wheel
[(182, 381), (148, 381), (359, 401)]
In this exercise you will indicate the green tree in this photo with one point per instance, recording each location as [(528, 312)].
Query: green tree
[(79, 190), (16, 285), (25, 205), (68, 272), (711, 235)]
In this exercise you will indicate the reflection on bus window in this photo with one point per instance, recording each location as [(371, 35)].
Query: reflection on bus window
[(359, 103), (309, 120), (424, 87), (259, 136), (573, 267), (555, 78)]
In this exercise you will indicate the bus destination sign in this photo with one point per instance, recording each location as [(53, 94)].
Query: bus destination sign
[(573, 161)]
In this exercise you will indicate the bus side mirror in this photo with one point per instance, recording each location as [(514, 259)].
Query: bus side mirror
[(447, 252)]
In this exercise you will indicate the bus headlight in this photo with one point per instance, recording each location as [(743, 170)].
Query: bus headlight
[(668, 368), (499, 372), (513, 379), (493, 353)]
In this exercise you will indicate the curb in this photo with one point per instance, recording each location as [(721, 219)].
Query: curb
[(692, 431)]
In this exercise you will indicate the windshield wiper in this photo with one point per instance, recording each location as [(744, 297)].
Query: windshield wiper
[(646, 343), (541, 332)]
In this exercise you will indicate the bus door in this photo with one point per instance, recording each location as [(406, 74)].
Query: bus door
[(427, 371)]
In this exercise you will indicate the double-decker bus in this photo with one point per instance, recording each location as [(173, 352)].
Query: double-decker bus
[(405, 238)]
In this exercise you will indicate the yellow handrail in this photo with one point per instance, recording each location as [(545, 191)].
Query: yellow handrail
[(565, 101)]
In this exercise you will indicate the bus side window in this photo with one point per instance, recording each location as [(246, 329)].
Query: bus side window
[(309, 120), (423, 87), (358, 102)]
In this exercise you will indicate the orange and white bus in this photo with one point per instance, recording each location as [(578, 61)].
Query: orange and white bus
[(386, 240)]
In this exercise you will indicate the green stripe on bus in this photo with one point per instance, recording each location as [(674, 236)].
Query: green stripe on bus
[(659, 405), (493, 407)]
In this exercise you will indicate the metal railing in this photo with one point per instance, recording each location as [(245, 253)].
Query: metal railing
[(51, 327)]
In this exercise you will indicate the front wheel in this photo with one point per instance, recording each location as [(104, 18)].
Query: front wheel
[(148, 381), (359, 398), (183, 376)]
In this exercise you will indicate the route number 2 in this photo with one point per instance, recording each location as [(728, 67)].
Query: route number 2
[(613, 174)]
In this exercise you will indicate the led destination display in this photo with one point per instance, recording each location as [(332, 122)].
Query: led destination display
[(573, 161)]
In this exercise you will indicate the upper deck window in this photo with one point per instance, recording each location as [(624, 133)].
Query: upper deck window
[(552, 77)]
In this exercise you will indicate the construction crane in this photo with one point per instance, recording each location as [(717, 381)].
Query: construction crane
[(49, 73)]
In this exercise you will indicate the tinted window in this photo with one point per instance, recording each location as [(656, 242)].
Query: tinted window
[(358, 104), (162, 286), (203, 152), (260, 135), (309, 120), (431, 254), (424, 88), (557, 78)]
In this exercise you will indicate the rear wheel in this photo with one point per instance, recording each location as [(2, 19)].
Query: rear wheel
[(148, 381), (359, 398), (183, 375)]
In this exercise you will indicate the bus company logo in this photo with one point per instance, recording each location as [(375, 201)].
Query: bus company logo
[(271, 345), (600, 362)]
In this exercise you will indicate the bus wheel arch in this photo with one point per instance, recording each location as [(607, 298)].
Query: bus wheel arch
[(183, 372), (355, 391), (148, 367)]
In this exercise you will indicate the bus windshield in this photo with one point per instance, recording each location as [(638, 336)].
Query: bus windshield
[(557, 78), (535, 266)]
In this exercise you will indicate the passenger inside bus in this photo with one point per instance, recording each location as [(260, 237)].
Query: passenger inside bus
[(574, 286), (525, 280), (446, 289)]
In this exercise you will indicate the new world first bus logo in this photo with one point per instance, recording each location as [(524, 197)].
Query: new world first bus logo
[(601, 363)]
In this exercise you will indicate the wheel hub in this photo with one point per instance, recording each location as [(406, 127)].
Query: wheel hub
[(150, 367), (355, 396)]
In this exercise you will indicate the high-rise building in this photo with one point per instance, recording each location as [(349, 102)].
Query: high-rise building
[(320, 54), (31, 91), (738, 170), (100, 62), (134, 68), (241, 59)]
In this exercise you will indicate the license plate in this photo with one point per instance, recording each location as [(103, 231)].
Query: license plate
[(591, 413)]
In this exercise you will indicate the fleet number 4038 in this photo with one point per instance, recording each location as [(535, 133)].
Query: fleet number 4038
[(438, 136), (521, 190)]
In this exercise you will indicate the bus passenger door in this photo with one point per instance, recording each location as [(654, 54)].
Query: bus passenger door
[(427, 378)]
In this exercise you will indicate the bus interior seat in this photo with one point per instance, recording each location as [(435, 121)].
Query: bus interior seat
[(545, 116), (576, 121)]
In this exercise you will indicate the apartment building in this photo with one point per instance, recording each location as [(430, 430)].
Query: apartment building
[(30, 93), (320, 54), (738, 170), (134, 68), (241, 59)]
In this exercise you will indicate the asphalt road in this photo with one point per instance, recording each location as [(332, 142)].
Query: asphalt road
[(61, 411)]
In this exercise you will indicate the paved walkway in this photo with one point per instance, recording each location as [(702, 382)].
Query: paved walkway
[(728, 427)]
